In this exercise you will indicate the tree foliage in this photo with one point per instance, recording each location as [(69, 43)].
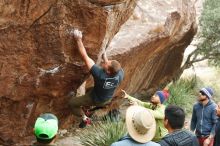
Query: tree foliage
[(182, 93), (208, 47)]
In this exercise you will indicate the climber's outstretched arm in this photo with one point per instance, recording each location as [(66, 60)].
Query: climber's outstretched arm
[(78, 36), (104, 57)]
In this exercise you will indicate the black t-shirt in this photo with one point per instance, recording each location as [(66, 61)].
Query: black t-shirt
[(104, 85)]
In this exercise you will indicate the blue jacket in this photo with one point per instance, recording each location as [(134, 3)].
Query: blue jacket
[(204, 119), (217, 135), (128, 141)]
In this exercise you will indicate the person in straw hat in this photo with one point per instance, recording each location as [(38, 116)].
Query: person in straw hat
[(156, 107), (141, 127)]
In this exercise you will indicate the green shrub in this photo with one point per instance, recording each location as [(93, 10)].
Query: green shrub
[(182, 93), (103, 133)]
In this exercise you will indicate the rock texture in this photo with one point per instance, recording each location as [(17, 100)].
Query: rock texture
[(152, 43), (39, 61), (40, 65)]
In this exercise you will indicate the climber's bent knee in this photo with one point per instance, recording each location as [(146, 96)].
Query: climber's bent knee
[(80, 100)]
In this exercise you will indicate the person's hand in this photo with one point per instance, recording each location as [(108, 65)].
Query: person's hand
[(104, 55), (76, 33), (207, 142), (186, 125), (124, 94), (131, 102)]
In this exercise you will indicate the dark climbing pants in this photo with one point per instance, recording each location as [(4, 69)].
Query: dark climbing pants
[(76, 103)]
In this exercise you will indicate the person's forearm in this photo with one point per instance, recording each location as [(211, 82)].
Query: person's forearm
[(193, 121), (82, 49), (158, 114), (131, 98), (145, 104), (212, 134), (214, 121), (104, 57), (192, 126), (89, 62)]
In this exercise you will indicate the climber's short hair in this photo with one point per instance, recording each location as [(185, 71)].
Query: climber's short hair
[(114, 67), (175, 116)]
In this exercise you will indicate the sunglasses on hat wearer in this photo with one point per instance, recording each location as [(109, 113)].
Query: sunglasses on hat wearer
[(202, 93)]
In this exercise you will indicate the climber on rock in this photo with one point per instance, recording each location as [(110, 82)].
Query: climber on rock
[(107, 78)]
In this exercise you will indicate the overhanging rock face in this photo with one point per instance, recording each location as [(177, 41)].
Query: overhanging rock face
[(39, 61), (152, 42), (40, 65)]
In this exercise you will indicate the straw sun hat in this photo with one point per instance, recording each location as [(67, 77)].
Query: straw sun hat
[(140, 123)]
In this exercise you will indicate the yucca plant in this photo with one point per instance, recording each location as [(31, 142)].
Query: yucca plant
[(182, 93), (103, 133)]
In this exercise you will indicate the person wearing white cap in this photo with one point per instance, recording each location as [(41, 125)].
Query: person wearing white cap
[(204, 117), (141, 127)]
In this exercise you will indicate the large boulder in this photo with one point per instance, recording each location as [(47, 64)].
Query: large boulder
[(39, 61), (151, 44), (40, 65)]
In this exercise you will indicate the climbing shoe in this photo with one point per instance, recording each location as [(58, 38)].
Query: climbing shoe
[(85, 123)]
